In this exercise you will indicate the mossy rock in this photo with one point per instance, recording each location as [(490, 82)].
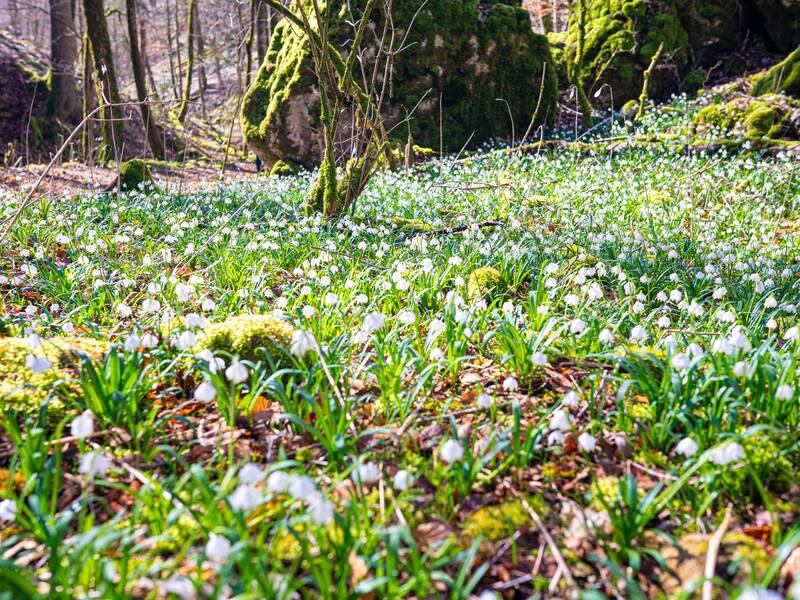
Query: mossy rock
[(482, 281), (23, 391), (411, 226), (783, 77), (134, 174), (771, 117), (498, 521), (741, 559), (284, 168), (245, 336), (467, 53)]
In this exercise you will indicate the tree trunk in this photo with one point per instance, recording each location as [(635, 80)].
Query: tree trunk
[(63, 100), (89, 101), (176, 16), (248, 44), (139, 77), (187, 88), (113, 123), (202, 76), (146, 61), (263, 30)]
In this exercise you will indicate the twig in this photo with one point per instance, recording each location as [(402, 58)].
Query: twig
[(712, 554)]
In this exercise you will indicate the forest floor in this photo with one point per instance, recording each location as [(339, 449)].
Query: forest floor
[(520, 373)]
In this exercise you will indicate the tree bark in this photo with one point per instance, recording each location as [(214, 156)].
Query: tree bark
[(263, 30), (248, 44), (187, 88), (202, 76), (89, 101), (63, 101), (139, 77), (113, 118)]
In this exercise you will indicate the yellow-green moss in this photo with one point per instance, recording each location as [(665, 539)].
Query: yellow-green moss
[(482, 281), (767, 117), (133, 173), (245, 335), (23, 392), (783, 77), (499, 521), (283, 168), (411, 226)]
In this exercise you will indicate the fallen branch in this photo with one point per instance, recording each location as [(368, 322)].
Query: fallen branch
[(712, 554)]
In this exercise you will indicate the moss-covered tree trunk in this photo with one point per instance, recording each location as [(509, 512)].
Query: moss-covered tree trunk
[(89, 101), (187, 86), (586, 108), (140, 79), (64, 101), (113, 117)]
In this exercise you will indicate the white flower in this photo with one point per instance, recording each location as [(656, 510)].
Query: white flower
[(205, 392), (83, 425), (484, 401), (726, 454), (663, 322), (303, 342), (784, 392), (133, 342), (638, 334), (606, 337), (744, 369), (149, 341), (555, 438), (8, 510), (37, 364), (331, 299), (759, 594), (451, 451), (151, 305), (208, 305), (680, 361), (686, 447), (94, 464), (435, 328), (320, 509), (586, 442), (301, 487), (437, 354), (193, 320), (539, 359), (123, 310), (487, 595), (277, 482), (180, 586), (402, 480), (366, 473), (560, 420), (245, 498), (34, 342), (792, 334), (251, 473), (407, 317), (577, 326), (218, 548), (510, 384), (770, 302), (237, 373)]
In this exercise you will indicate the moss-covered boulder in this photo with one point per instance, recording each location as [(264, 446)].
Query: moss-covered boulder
[(468, 53), (622, 36), (283, 168), (783, 77), (246, 335), (23, 391), (482, 281), (769, 117), (134, 173)]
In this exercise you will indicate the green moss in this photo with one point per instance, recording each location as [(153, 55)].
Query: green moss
[(767, 117), (411, 226), (482, 281), (283, 168), (501, 520), (769, 462), (783, 77), (245, 335), (23, 392), (134, 173)]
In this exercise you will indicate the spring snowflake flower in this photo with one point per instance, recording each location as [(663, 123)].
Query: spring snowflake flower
[(208, 305), (8, 511), (571, 399), (484, 401), (792, 334), (245, 498), (723, 455), (720, 293), (251, 473), (68, 327), (181, 586), (320, 509), (331, 299), (82, 426), (303, 342), (94, 464), (663, 322), (686, 447), (308, 311), (759, 594), (373, 322), (487, 595), (555, 438), (151, 305), (277, 482), (587, 442), (132, 342), (124, 311), (205, 392), (510, 384), (560, 420), (638, 334), (695, 310), (606, 337), (193, 320), (301, 487), (577, 326), (427, 265), (402, 480), (451, 451), (437, 354), (237, 373), (37, 364), (149, 341), (770, 302), (539, 359), (366, 473), (784, 392), (407, 317), (680, 362), (218, 548), (772, 324), (744, 369)]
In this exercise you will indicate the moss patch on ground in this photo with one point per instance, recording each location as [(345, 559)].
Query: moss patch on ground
[(246, 335), (771, 116)]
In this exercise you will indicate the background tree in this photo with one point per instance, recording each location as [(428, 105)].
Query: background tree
[(64, 102), (154, 138), (187, 87), (113, 117)]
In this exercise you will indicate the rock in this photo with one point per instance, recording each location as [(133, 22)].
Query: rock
[(134, 173), (622, 36), (772, 116), (24, 122), (246, 335), (468, 53)]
